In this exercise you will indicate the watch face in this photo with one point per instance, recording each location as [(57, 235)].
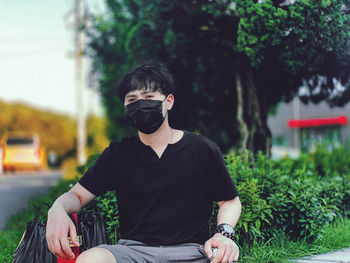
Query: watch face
[(228, 228)]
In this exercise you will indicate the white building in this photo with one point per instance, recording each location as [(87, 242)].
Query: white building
[(299, 127)]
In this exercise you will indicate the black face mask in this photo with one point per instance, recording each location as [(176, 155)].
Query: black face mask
[(145, 115)]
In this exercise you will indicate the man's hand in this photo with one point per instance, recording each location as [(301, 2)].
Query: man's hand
[(227, 249), (58, 226)]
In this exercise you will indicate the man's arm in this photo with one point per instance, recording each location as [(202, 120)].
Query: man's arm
[(59, 224), (229, 213)]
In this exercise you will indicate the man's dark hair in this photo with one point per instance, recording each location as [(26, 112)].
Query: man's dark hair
[(151, 77)]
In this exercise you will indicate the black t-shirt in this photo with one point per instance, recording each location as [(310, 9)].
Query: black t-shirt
[(167, 200)]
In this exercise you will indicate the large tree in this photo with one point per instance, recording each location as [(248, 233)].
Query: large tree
[(232, 61), (289, 46)]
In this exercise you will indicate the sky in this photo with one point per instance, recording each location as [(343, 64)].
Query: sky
[(36, 38)]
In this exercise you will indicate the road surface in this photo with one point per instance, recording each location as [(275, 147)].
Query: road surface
[(338, 256), (16, 189)]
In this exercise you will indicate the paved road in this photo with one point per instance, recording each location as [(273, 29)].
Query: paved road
[(17, 189), (339, 256)]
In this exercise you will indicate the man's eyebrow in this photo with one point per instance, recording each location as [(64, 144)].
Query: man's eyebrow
[(131, 95)]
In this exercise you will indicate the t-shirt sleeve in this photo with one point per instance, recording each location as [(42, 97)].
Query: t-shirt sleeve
[(98, 178), (221, 186)]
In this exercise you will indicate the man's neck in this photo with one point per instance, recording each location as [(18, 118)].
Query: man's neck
[(163, 136)]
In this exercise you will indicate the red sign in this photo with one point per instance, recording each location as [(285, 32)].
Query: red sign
[(303, 123)]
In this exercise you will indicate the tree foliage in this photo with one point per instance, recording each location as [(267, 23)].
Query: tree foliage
[(308, 42), (232, 60)]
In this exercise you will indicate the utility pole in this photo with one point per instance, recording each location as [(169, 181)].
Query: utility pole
[(79, 83)]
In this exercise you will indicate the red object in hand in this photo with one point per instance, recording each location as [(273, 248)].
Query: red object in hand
[(74, 249)]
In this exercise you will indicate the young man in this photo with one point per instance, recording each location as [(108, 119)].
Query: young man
[(165, 181)]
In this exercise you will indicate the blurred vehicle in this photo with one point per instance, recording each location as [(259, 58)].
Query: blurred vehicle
[(22, 151), (0, 160)]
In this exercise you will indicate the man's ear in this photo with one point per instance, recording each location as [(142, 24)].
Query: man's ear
[(170, 101)]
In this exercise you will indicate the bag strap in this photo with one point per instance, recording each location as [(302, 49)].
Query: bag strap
[(36, 217), (37, 213)]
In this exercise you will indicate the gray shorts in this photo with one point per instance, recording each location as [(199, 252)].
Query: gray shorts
[(133, 251)]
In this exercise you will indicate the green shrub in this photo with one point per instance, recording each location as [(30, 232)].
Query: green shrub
[(109, 209), (256, 213), (298, 196), (299, 209), (331, 163), (320, 163)]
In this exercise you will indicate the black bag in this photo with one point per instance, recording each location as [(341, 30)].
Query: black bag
[(33, 246), (91, 227)]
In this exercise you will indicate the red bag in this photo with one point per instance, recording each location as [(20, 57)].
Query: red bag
[(74, 249)]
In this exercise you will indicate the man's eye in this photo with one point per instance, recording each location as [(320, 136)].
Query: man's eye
[(131, 100), (149, 96)]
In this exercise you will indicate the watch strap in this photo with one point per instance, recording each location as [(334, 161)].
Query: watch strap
[(229, 234)]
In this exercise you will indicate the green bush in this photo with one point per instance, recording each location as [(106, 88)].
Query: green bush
[(331, 164), (298, 197), (256, 213), (299, 210), (109, 209)]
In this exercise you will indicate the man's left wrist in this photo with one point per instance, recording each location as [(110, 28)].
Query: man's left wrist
[(226, 230)]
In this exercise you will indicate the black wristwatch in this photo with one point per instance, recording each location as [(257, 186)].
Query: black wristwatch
[(226, 230)]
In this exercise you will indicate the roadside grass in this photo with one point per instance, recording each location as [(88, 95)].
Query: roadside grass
[(8, 244), (16, 224), (282, 250), (336, 236)]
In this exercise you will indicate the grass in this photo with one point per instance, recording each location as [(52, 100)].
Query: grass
[(282, 250), (8, 244), (16, 224)]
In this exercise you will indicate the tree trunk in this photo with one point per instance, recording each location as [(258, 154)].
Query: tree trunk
[(260, 135), (243, 128)]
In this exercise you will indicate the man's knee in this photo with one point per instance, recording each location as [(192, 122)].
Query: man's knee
[(96, 255)]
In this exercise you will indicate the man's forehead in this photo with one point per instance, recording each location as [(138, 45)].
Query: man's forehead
[(140, 92)]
